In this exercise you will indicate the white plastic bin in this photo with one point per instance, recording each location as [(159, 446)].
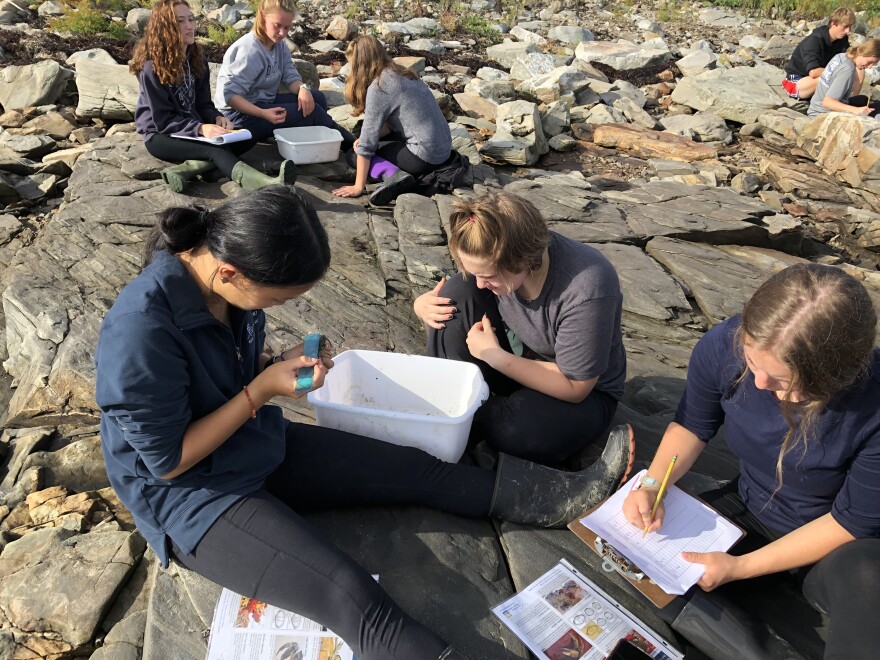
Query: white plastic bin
[(408, 400), (308, 144)]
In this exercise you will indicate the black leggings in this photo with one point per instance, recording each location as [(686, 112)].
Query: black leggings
[(175, 150), (261, 548), (843, 585), (516, 420)]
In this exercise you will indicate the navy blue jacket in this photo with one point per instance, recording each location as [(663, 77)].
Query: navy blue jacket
[(815, 52), (840, 470), (163, 361), (171, 109)]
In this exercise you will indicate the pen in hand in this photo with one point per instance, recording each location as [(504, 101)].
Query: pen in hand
[(660, 493)]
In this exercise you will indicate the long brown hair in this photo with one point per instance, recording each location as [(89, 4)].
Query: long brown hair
[(367, 59), (501, 228), (268, 7), (820, 323), (162, 43)]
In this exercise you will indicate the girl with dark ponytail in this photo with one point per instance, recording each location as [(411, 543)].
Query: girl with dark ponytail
[(212, 474)]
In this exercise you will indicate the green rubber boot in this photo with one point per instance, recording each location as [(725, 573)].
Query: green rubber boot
[(251, 179), (177, 176)]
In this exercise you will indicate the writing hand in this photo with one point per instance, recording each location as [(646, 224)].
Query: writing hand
[(432, 308), (637, 509), (720, 568), (212, 130)]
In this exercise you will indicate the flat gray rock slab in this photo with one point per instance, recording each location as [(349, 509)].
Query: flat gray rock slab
[(721, 280), (173, 626)]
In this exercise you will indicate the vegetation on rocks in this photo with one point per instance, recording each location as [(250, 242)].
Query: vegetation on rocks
[(88, 22)]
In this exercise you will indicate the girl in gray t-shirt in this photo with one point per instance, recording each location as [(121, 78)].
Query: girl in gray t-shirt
[(539, 313), (842, 78)]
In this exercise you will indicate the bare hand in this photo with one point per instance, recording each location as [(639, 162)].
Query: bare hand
[(863, 111), (433, 309), (721, 568), (305, 101), (223, 122), (349, 191), (481, 339), (274, 115), (637, 509), (212, 130), (356, 144)]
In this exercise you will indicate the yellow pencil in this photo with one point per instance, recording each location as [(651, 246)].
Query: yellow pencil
[(660, 493)]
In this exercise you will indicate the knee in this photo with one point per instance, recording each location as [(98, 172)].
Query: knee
[(852, 566), (463, 290), (320, 98)]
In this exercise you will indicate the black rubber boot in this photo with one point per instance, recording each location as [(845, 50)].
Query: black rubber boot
[(178, 176), (526, 492), (400, 182), (724, 631)]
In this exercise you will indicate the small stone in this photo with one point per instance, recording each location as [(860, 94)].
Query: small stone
[(563, 143), (414, 64), (342, 29), (746, 182)]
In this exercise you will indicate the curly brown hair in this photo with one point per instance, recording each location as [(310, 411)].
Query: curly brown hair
[(368, 59), (162, 44)]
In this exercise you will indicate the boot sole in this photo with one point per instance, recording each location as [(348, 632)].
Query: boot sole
[(391, 191)]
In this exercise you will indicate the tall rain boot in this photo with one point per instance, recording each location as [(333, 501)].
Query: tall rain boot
[(526, 492), (395, 185), (724, 631), (251, 179), (178, 176)]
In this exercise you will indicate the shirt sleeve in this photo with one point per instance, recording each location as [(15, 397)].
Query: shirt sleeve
[(163, 110), (143, 384), (584, 338), (241, 72), (857, 506), (812, 53), (289, 72), (376, 111), (699, 410)]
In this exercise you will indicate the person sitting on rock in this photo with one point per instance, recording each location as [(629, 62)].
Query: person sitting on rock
[(840, 83), (400, 109), (812, 55), (175, 97), (539, 313), (795, 380), (212, 474), (253, 69)]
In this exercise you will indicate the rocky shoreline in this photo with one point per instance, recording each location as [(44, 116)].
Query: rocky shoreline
[(664, 141)]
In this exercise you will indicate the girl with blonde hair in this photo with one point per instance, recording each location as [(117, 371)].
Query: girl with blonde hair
[(175, 97), (539, 313), (399, 109), (840, 84), (254, 67), (795, 381)]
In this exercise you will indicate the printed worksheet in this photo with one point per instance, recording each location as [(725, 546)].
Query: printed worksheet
[(689, 525)]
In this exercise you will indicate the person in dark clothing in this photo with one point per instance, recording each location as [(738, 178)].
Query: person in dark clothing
[(175, 98), (796, 383), (212, 474), (812, 54)]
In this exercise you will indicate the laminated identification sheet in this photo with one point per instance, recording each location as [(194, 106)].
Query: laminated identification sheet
[(688, 525)]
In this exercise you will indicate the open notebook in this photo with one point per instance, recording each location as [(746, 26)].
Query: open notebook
[(237, 135), (689, 525)]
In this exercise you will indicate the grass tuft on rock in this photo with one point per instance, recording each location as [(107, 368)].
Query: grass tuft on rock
[(222, 35), (812, 9), (88, 22)]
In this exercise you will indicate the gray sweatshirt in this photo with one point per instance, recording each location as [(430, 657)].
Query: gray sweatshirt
[(409, 108), (254, 72)]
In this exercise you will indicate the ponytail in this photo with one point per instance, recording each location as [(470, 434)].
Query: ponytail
[(177, 230)]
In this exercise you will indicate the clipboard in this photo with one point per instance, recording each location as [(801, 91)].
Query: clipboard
[(614, 561)]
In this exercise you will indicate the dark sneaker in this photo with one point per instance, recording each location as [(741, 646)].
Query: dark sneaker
[(399, 183)]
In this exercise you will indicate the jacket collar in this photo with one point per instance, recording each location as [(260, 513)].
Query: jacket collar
[(187, 304)]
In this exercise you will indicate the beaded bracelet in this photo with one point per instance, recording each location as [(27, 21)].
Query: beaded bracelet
[(251, 402)]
